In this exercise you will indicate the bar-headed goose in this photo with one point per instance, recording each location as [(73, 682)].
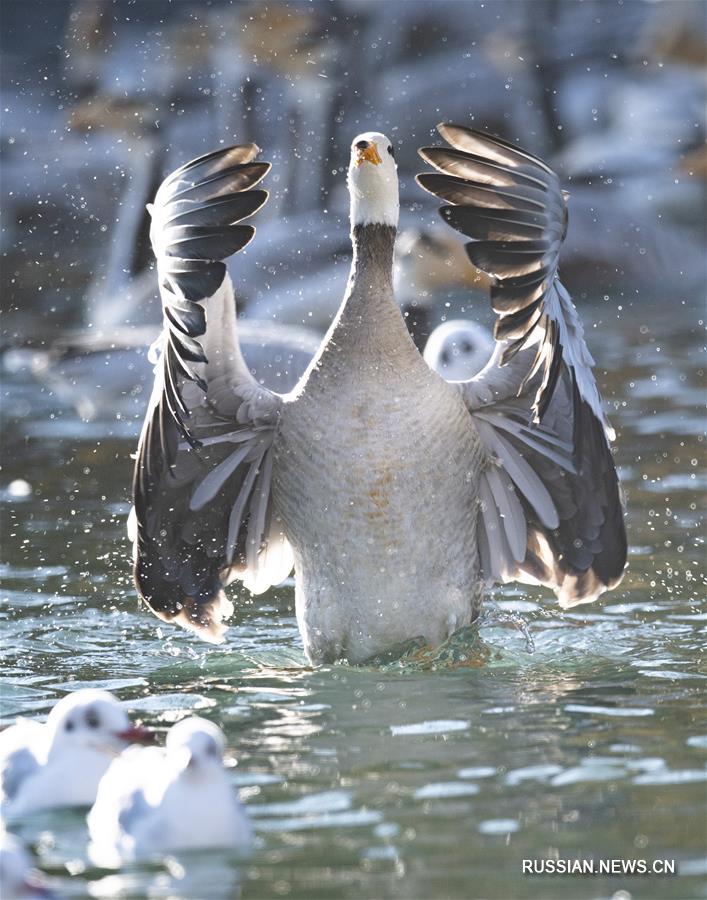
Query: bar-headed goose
[(398, 496)]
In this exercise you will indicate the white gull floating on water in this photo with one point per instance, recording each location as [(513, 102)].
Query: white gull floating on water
[(154, 801), (60, 763), (458, 349), (19, 880)]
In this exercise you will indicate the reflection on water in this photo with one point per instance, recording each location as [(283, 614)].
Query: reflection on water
[(392, 780)]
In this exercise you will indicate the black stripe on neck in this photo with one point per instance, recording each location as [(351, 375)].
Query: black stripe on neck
[(373, 246)]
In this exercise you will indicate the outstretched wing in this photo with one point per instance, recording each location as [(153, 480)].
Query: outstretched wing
[(551, 509), (201, 487)]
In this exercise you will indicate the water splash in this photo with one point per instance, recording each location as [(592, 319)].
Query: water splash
[(463, 649), (492, 615)]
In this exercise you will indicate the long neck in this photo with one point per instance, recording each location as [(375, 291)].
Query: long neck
[(369, 310), (369, 332), (369, 322), (372, 264)]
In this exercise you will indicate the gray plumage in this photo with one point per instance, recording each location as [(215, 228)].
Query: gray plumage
[(18, 761), (396, 495)]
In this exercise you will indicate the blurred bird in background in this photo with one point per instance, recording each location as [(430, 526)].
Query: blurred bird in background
[(19, 880)]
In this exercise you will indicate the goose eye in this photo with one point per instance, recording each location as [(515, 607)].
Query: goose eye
[(361, 145), (466, 347), (444, 356), (92, 719), (391, 151), (69, 726)]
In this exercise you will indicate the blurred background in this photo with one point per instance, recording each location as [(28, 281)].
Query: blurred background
[(102, 98)]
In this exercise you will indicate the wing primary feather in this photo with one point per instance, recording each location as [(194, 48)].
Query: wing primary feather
[(258, 511), (462, 191), (503, 152), (231, 180), (509, 509), (214, 161), (235, 519), (215, 480)]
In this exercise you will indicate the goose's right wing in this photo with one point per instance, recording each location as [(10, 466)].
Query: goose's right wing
[(551, 509), (201, 488), (511, 205)]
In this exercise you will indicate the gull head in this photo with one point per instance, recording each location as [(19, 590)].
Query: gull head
[(195, 746), (373, 181), (457, 350), (95, 720)]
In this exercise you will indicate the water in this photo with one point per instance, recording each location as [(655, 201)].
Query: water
[(416, 780)]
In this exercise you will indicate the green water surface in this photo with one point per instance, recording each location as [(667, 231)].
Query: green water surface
[(395, 781)]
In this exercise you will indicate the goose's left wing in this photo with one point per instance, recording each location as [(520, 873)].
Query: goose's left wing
[(201, 488), (551, 510)]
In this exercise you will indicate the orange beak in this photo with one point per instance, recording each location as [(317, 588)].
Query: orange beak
[(369, 154)]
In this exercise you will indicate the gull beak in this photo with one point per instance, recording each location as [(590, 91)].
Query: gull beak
[(369, 154), (136, 734)]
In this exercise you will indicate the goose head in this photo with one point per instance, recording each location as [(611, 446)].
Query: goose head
[(373, 181)]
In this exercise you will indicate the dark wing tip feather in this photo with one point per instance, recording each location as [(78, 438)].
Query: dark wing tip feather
[(164, 593), (585, 554), (202, 167), (470, 140), (196, 226), (510, 204), (591, 540)]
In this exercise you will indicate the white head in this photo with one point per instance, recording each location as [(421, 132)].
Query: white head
[(458, 350), (195, 746), (92, 719), (373, 181)]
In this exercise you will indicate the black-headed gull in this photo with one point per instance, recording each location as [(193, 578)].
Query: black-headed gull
[(154, 801), (60, 763), (459, 349), (19, 880)]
